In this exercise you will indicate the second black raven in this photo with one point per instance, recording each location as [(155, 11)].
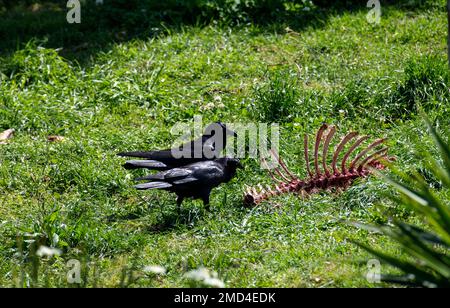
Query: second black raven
[(194, 180), (206, 147)]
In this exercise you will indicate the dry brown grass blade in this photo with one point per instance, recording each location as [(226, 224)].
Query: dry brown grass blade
[(7, 134)]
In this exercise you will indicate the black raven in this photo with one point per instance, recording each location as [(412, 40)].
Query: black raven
[(195, 180), (206, 147)]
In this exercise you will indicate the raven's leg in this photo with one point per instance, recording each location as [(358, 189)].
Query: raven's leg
[(179, 201), (205, 199)]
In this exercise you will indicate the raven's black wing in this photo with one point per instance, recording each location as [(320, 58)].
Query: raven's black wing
[(198, 175), (206, 143), (165, 159)]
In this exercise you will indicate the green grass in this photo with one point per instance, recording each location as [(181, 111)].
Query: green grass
[(127, 94)]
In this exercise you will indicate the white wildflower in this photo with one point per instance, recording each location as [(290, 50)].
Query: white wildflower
[(198, 274), (214, 282), (45, 251), (206, 277), (155, 269)]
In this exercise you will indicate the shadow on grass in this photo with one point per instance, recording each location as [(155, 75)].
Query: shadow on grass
[(186, 217), (164, 219), (122, 20)]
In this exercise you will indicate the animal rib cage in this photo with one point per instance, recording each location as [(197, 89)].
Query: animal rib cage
[(323, 176)]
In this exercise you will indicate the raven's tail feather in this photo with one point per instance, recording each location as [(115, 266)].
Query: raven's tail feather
[(148, 164), (153, 185), (151, 177), (139, 154)]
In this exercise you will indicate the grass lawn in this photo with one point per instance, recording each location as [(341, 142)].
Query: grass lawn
[(126, 94)]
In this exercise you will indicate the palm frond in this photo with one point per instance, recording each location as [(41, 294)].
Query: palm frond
[(427, 250)]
